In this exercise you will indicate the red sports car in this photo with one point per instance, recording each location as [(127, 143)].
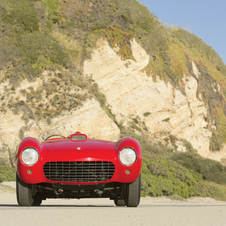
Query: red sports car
[(78, 167)]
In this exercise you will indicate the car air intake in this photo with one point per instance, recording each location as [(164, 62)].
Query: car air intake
[(79, 171)]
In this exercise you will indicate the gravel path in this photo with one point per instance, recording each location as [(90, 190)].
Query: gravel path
[(151, 211)]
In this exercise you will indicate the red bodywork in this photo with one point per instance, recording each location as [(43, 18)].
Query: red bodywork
[(66, 149)]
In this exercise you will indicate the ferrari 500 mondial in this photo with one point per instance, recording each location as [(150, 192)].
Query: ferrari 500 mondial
[(77, 167)]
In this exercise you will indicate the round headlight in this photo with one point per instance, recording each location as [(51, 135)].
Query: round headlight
[(127, 156), (30, 156)]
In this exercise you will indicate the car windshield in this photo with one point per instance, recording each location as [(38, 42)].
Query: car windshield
[(78, 137)]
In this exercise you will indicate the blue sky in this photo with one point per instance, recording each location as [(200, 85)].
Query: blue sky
[(204, 18)]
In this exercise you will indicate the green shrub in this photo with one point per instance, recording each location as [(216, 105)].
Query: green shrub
[(221, 130), (162, 176), (165, 177), (192, 41), (117, 37), (179, 174), (146, 114), (23, 15), (135, 127), (213, 190), (100, 96), (7, 173), (31, 49), (216, 141), (39, 47), (209, 169), (39, 51)]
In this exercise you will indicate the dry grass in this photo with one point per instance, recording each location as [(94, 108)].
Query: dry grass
[(73, 46)]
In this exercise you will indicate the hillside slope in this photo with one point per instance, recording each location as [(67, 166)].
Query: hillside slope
[(64, 68)]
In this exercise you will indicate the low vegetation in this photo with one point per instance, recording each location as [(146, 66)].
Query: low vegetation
[(7, 173)]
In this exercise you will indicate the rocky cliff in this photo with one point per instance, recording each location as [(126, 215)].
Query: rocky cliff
[(157, 107), (156, 83)]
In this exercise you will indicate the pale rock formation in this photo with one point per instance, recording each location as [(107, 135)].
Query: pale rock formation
[(9, 130), (180, 146), (89, 119), (218, 155), (130, 93), (195, 70)]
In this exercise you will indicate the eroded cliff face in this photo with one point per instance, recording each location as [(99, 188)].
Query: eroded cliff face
[(20, 119), (157, 107)]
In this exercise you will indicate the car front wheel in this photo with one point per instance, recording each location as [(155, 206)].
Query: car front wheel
[(132, 193), (25, 194), (36, 201)]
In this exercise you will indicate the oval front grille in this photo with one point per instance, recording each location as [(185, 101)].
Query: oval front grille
[(79, 171)]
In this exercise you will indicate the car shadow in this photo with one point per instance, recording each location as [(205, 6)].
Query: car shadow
[(154, 205), (57, 206)]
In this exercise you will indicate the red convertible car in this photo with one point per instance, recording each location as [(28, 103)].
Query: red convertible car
[(78, 167)]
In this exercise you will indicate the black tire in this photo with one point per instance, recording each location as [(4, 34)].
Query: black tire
[(132, 193), (24, 193), (36, 201), (119, 202)]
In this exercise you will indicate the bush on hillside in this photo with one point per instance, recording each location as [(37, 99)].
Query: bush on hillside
[(7, 173), (28, 47), (192, 41), (164, 177), (216, 141), (23, 15), (209, 169)]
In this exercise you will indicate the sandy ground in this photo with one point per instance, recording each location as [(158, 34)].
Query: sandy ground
[(151, 211)]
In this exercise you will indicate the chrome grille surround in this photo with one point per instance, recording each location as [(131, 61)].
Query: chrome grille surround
[(86, 171)]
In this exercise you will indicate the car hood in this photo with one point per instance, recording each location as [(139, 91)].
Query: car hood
[(68, 150)]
